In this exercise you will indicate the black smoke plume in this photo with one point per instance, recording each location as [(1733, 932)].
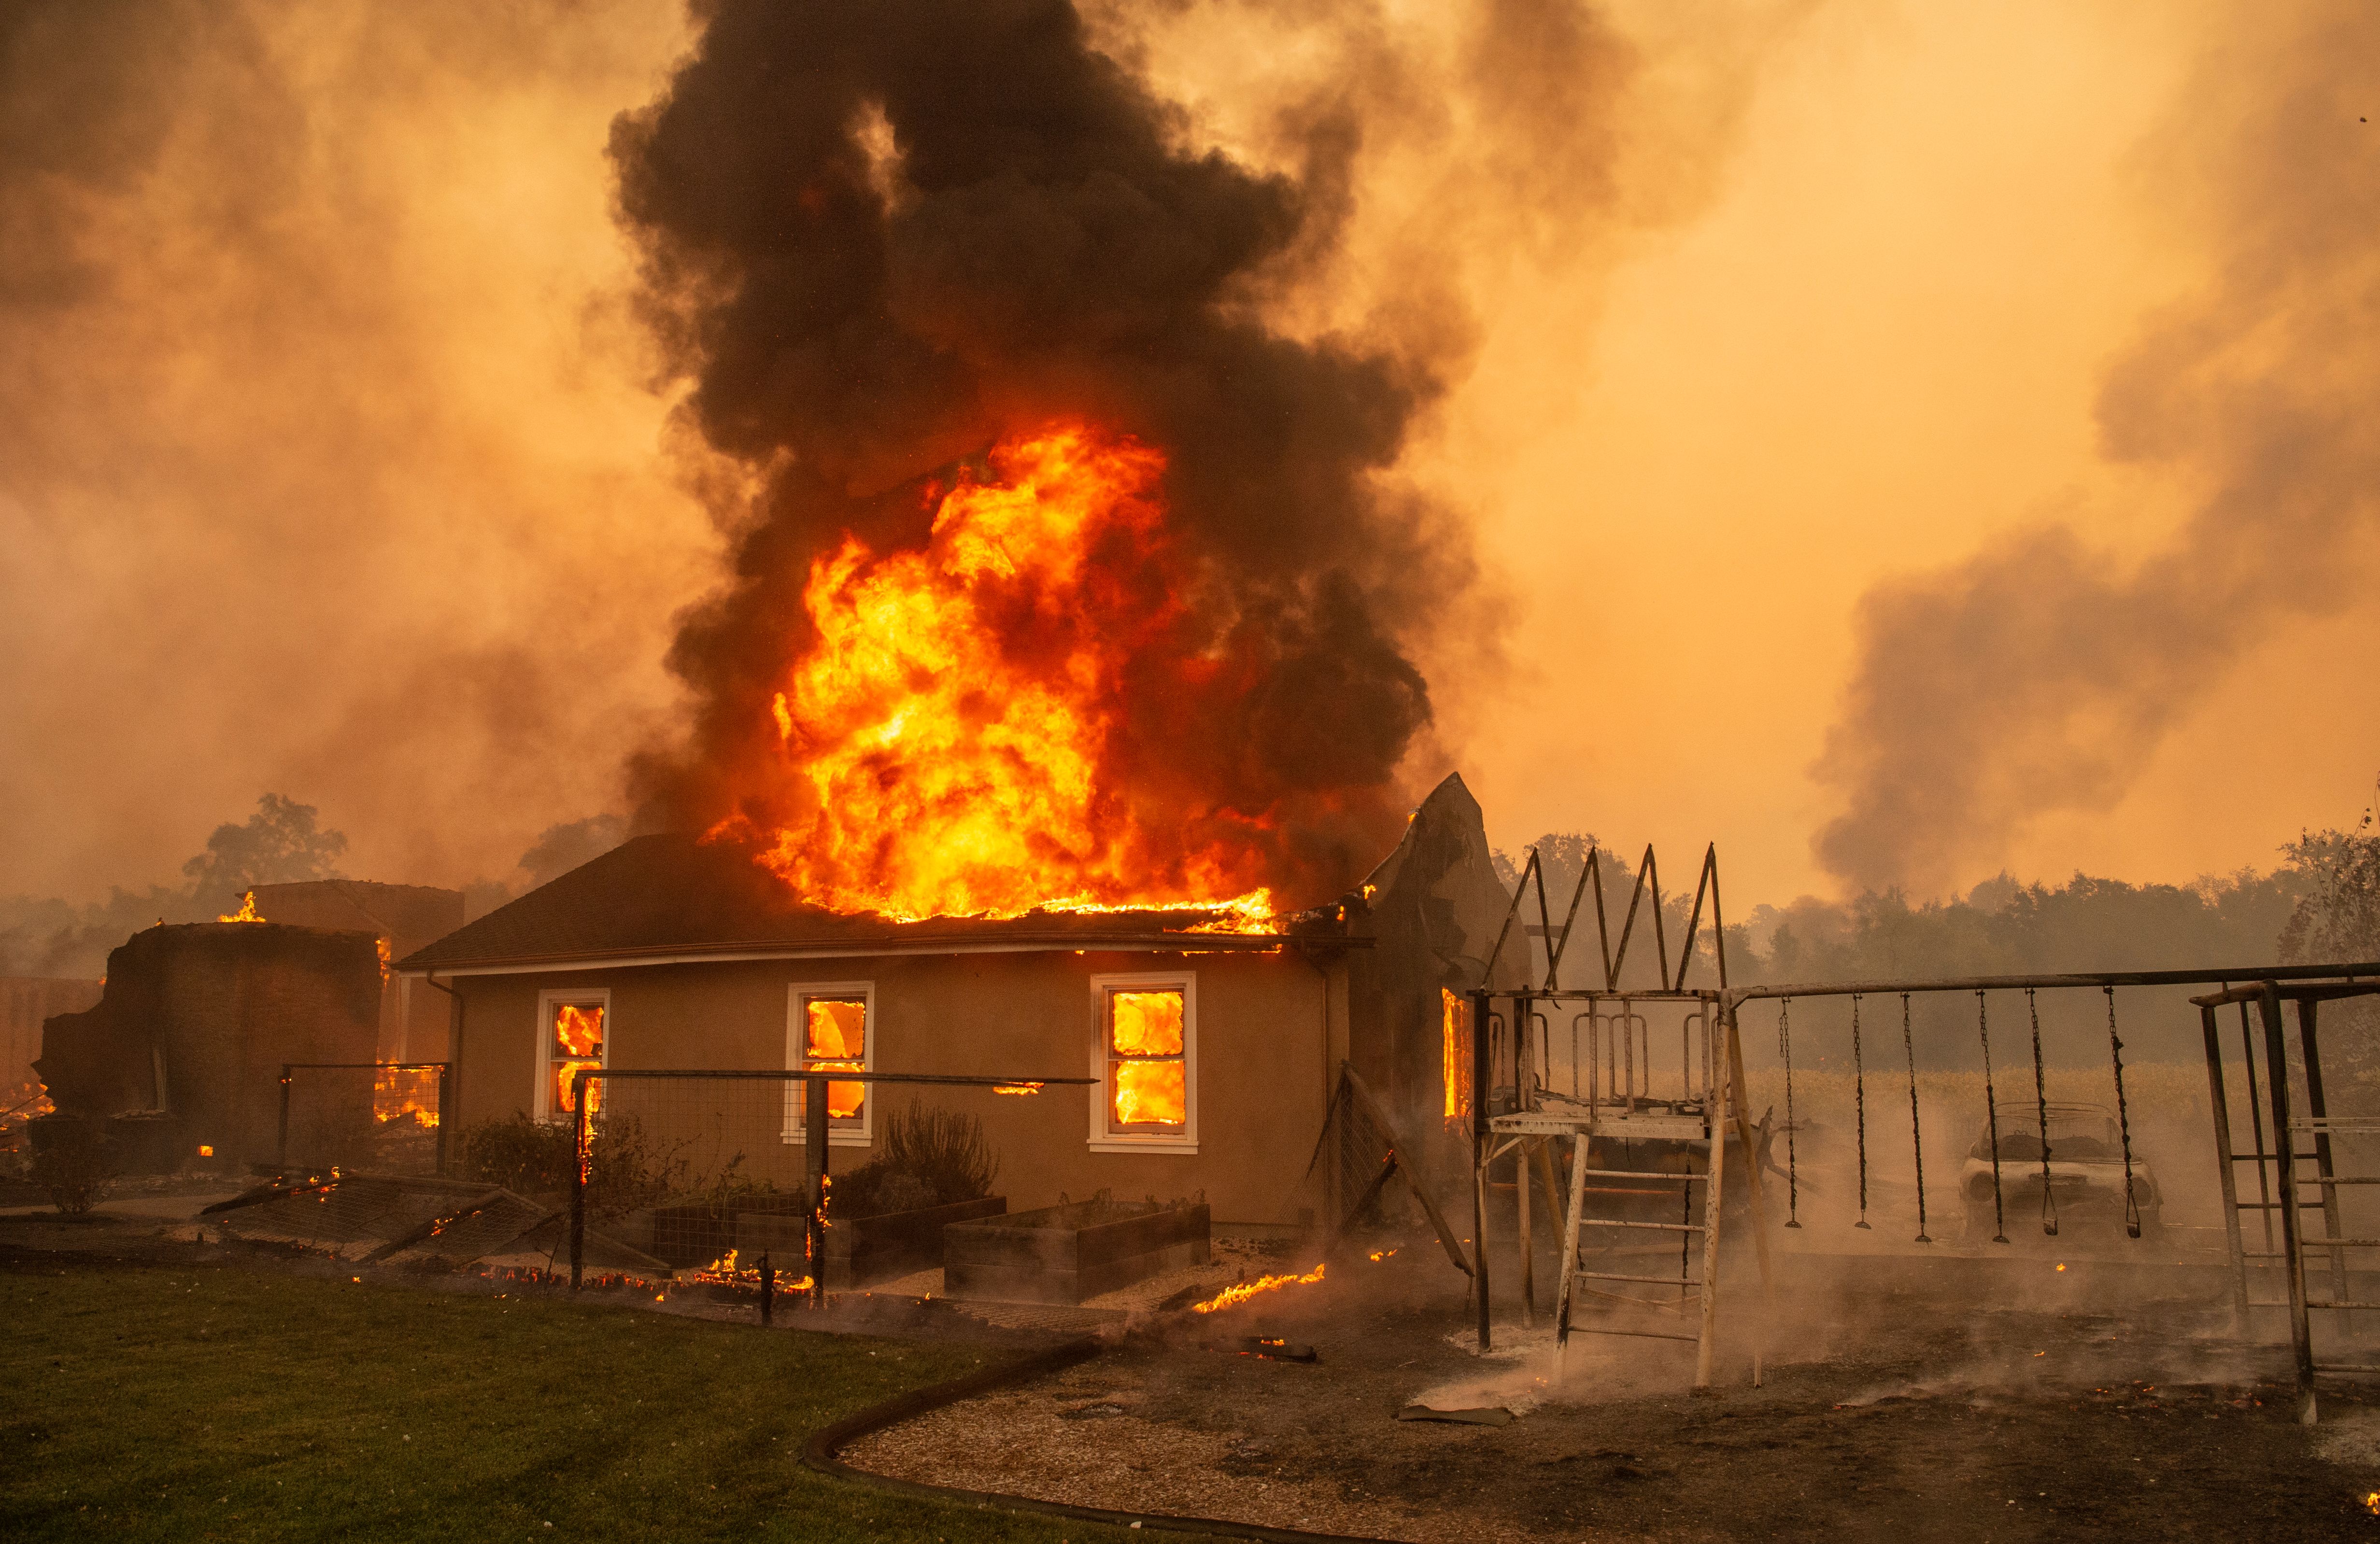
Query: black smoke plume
[(881, 237)]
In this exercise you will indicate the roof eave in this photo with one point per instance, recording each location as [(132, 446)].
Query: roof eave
[(1039, 943)]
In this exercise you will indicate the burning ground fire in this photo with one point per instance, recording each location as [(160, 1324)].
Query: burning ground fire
[(247, 912), (1241, 1292), (950, 743)]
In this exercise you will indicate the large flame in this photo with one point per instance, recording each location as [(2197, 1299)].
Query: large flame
[(951, 740), (247, 912)]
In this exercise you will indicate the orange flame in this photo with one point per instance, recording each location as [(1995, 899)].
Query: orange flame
[(1150, 1094), (836, 1033), (247, 912), (1246, 1290), (1454, 1055), (405, 1094), (1148, 1024), (1017, 1088), (949, 742), (577, 1042)]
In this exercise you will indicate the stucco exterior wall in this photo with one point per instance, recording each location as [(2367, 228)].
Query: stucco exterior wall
[(1264, 1058)]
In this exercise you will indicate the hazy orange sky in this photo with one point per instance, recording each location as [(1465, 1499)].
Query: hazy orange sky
[(330, 465)]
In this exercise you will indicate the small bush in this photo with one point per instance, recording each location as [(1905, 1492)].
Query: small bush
[(626, 1169), (72, 1161), (927, 1157)]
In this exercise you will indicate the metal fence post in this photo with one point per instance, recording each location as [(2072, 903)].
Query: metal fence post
[(2226, 1171), (2285, 1142), (281, 1153), (814, 1125), (579, 1159), (1482, 1074), (445, 1114), (767, 1287)]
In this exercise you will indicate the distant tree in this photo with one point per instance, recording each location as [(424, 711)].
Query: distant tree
[(279, 845), (2337, 918)]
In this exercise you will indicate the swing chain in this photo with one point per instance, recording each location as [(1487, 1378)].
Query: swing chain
[(2124, 1120), (1916, 1132), (1859, 1104), (1792, 1169), (1991, 1119), (2041, 1106)]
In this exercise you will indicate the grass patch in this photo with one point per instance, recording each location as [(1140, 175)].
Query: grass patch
[(215, 1403)]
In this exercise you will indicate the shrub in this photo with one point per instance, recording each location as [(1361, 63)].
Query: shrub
[(927, 1157), (71, 1159), (626, 1169)]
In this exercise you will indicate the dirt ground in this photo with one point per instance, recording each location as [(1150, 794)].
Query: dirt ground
[(1957, 1397), (1958, 1391)]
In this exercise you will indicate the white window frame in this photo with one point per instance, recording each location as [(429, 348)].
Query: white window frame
[(1185, 1142), (547, 1001), (796, 993)]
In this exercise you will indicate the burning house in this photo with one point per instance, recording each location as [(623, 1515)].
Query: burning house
[(1060, 695), (1212, 1036)]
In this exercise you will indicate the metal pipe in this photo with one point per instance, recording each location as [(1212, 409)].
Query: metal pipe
[(454, 1046), (815, 1121), (2284, 1158), (580, 1157), (2310, 1052), (1481, 1071), (2231, 1239)]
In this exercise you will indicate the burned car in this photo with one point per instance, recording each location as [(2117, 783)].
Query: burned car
[(2086, 1171)]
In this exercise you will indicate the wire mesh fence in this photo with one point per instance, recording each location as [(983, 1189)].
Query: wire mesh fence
[(386, 1117), (712, 1171)]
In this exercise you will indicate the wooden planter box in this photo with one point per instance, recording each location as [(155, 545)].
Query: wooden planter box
[(1065, 1254), (861, 1251)]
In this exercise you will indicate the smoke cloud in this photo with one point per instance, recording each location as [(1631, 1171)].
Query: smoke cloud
[(326, 463), (2042, 674), (879, 242)]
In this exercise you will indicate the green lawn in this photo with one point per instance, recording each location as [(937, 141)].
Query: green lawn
[(212, 1403)]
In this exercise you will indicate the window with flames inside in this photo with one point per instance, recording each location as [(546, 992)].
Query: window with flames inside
[(834, 1034), (1145, 1031), (573, 1040)]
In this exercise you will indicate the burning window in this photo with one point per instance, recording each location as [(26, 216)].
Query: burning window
[(1147, 1048), (831, 1026), (572, 1026), (1455, 1056)]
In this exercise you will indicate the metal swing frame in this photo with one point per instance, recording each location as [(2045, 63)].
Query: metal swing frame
[(1508, 1025)]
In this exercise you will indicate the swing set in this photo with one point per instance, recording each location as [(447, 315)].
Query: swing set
[(1646, 1144)]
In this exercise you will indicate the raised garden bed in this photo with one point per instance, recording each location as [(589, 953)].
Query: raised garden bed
[(861, 1251), (1065, 1254)]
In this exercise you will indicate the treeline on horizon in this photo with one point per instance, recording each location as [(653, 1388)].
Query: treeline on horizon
[(282, 843)]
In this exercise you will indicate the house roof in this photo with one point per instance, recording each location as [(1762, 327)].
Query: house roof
[(669, 898)]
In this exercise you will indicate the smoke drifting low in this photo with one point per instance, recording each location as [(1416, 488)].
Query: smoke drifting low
[(879, 242), (2042, 674), (325, 464)]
